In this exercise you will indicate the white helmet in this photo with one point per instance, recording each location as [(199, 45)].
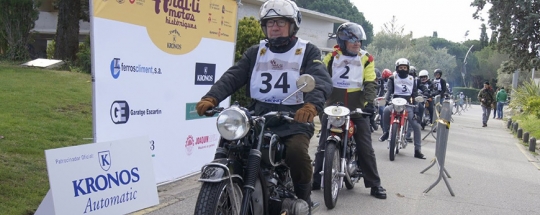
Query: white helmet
[(423, 73), (281, 8)]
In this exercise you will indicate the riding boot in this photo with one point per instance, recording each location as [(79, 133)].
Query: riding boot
[(317, 168), (303, 191)]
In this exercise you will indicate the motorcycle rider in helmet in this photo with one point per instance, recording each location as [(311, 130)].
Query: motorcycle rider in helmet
[(386, 73), (425, 90), (353, 77), (439, 85), (380, 88), (280, 21), (404, 86)]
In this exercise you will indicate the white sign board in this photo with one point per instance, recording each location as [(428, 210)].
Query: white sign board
[(115, 177), (152, 61)]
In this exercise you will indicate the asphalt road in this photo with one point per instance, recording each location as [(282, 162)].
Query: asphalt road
[(491, 173)]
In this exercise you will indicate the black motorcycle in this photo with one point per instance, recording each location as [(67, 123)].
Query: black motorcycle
[(248, 175)]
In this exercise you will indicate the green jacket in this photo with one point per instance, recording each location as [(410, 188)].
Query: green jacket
[(354, 98), (501, 96), (487, 95)]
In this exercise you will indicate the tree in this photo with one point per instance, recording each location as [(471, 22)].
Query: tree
[(67, 30), (249, 34), (392, 27), (517, 23), (484, 40), (489, 61), (340, 8), (17, 18), (435, 35)]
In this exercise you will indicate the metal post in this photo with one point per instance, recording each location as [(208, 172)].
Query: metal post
[(526, 137), (532, 144), (440, 148)]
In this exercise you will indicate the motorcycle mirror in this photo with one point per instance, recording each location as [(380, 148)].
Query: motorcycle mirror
[(305, 83), (419, 99)]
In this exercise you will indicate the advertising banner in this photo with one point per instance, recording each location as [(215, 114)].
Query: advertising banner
[(152, 62), (115, 177)]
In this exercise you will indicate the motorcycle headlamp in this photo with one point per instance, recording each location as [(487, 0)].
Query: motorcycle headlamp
[(233, 123), (336, 115), (336, 121), (399, 104)]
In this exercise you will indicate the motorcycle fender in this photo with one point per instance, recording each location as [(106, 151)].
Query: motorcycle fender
[(334, 138), (219, 170)]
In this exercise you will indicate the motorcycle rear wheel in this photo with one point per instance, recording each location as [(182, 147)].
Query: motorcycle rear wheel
[(330, 177)]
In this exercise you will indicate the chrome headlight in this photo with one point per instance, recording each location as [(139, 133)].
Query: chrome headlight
[(233, 123), (399, 108), (336, 121)]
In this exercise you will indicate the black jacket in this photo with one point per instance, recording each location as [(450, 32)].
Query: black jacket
[(240, 74)]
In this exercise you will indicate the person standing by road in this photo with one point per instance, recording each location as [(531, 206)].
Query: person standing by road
[(485, 96), (501, 100)]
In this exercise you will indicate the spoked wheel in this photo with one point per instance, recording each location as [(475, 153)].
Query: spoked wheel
[(393, 141), (349, 183), (331, 179), (219, 199)]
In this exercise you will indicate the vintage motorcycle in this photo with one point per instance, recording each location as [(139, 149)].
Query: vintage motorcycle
[(379, 102), (339, 164), (248, 175), (398, 125)]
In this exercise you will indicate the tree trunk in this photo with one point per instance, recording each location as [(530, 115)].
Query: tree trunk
[(67, 30)]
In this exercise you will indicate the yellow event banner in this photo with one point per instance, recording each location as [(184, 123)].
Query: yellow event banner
[(190, 20)]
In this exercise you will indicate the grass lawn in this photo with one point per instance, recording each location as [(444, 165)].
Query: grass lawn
[(39, 109)]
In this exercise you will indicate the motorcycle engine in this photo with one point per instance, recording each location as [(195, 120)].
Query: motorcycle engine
[(295, 207)]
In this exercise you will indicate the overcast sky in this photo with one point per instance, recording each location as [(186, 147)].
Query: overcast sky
[(450, 18)]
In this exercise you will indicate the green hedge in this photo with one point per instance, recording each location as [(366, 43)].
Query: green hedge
[(469, 92)]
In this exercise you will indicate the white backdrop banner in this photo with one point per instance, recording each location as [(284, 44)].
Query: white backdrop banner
[(152, 60), (114, 177)]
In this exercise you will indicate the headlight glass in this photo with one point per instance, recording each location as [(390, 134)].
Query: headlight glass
[(233, 123), (336, 121), (399, 108)]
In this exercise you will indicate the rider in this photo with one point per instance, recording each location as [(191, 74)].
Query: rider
[(353, 78), (424, 89), (403, 85), (379, 88), (412, 72), (439, 85), (268, 84), (386, 74)]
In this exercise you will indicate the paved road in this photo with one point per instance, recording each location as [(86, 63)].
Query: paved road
[(491, 173)]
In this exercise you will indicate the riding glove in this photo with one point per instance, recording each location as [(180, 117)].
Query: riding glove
[(306, 113), (369, 108), (205, 104)]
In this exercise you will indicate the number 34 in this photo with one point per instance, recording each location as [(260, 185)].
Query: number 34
[(280, 83)]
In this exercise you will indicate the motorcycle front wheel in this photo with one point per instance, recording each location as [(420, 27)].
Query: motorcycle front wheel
[(393, 141), (218, 199), (331, 179)]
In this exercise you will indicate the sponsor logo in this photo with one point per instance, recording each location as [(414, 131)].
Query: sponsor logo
[(120, 1), (174, 45), (121, 112), (117, 67), (138, 2), (104, 160), (180, 12), (276, 66), (205, 74), (201, 142)]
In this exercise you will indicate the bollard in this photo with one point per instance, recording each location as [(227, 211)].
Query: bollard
[(526, 137), (520, 133), (509, 123), (515, 127), (532, 144)]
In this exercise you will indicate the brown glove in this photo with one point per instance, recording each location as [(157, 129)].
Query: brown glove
[(306, 113), (205, 104)]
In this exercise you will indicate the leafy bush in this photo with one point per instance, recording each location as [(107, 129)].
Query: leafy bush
[(84, 57), (524, 94), (50, 49), (469, 92), (533, 107)]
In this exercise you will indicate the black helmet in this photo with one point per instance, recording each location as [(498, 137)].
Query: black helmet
[(412, 71), (351, 32), (437, 71), (378, 73)]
